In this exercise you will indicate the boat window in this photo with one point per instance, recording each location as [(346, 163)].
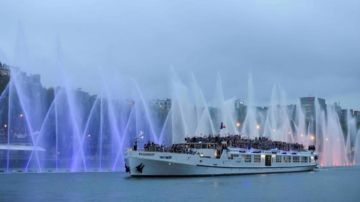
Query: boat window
[(312, 159), (304, 159), (247, 158), (278, 159), (287, 159), (192, 146), (210, 146), (198, 146), (257, 158), (204, 146), (296, 159)]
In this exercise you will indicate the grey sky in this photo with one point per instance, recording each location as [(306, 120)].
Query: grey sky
[(307, 47)]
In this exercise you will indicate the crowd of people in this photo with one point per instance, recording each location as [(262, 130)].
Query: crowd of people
[(235, 140), (151, 146), (175, 148)]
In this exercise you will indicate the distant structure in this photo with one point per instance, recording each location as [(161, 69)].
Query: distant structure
[(164, 104), (352, 114), (4, 70), (4, 76), (308, 106), (160, 108), (240, 110), (337, 109), (239, 104), (355, 114)]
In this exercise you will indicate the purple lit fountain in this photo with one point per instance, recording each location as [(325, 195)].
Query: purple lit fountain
[(64, 129)]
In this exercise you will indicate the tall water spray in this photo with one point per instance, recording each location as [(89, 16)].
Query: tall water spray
[(277, 124), (69, 130), (251, 127), (66, 129)]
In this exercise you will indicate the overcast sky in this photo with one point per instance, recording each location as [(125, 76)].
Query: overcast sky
[(307, 47)]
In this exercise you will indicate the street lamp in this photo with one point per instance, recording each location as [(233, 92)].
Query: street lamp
[(238, 124), (5, 126), (21, 115), (258, 127)]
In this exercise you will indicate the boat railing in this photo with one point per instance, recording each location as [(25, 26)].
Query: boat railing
[(166, 150)]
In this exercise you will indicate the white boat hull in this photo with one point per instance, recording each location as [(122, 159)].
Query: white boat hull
[(193, 165)]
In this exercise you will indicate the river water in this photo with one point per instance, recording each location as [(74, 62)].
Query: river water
[(324, 184)]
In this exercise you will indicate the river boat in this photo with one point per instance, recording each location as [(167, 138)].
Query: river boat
[(207, 159)]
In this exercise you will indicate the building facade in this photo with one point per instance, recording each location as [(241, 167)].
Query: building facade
[(308, 105)]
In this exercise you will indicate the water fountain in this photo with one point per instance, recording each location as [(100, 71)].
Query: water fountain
[(251, 126), (83, 133), (65, 129)]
